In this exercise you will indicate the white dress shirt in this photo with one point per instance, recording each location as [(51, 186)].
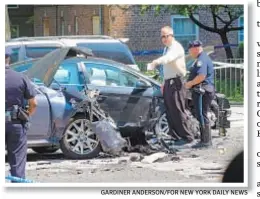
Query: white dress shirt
[(173, 61)]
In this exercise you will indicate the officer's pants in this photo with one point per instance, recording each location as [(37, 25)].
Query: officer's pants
[(202, 106), (16, 141), (174, 99)]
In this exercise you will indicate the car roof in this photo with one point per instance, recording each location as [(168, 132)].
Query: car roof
[(36, 42), (89, 38)]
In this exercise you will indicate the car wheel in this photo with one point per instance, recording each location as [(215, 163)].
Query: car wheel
[(79, 141), (162, 128), (48, 149)]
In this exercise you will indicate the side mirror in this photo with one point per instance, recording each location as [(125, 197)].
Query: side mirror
[(142, 85)]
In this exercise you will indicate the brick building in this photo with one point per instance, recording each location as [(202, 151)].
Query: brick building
[(142, 30), (21, 23)]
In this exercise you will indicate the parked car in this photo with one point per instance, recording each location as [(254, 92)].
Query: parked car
[(102, 46)]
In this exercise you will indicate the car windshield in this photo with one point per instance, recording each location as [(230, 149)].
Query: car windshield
[(117, 52)]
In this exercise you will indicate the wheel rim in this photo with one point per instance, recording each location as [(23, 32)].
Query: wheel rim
[(163, 127), (80, 138)]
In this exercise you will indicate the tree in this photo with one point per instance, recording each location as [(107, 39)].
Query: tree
[(7, 24), (223, 17)]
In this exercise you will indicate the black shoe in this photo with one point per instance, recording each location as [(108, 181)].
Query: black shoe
[(202, 145), (182, 144)]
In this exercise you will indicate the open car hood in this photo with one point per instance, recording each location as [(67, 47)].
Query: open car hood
[(45, 68)]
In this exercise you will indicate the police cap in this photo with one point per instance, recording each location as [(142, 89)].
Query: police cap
[(195, 43)]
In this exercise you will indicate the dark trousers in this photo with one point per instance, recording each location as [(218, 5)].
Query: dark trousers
[(174, 99), (16, 142), (202, 106)]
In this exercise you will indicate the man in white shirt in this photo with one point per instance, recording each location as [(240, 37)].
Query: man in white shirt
[(174, 69)]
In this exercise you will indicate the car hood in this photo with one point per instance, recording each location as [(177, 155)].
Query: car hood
[(45, 68)]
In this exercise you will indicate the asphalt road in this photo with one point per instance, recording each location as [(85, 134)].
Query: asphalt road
[(189, 166)]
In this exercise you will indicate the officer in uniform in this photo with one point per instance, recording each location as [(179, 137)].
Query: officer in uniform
[(17, 89), (201, 80)]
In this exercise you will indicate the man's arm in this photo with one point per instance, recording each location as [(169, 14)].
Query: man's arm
[(172, 54), (29, 94), (197, 80), (201, 75)]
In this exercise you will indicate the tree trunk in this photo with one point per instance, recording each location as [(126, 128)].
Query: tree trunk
[(7, 25), (224, 39)]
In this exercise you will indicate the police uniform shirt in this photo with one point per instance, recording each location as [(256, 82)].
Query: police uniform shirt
[(173, 61), (17, 88), (203, 66)]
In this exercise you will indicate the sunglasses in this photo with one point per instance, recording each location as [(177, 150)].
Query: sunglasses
[(165, 36)]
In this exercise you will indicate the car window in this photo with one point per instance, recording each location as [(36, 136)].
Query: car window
[(35, 52), (103, 75), (114, 51), (128, 79), (68, 74)]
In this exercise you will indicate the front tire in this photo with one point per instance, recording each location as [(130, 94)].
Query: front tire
[(79, 141)]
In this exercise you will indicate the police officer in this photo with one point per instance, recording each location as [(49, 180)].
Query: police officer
[(17, 89), (174, 69), (201, 79)]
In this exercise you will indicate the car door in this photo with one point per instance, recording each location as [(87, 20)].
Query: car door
[(120, 99), (40, 120), (140, 97)]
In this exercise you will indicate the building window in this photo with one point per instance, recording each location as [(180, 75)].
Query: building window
[(76, 25), (12, 6), (241, 32), (96, 25), (184, 29), (46, 26), (14, 31)]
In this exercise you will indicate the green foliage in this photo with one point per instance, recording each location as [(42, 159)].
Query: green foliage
[(30, 20), (232, 89)]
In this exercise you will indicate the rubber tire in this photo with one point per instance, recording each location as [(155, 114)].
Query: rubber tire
[(156, 126), (47, 149), (71, 155)]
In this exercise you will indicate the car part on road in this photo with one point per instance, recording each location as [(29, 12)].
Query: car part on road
[(110, 139)]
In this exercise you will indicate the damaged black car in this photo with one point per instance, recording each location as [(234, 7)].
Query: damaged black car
[(132, 100)]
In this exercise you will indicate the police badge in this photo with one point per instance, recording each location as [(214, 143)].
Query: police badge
[(199, 63)]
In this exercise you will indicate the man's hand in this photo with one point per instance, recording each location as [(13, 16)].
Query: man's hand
[(152, 65), (32, 106), (188, 85)]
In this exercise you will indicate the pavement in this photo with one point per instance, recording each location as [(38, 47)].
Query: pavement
[(188, 166)]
